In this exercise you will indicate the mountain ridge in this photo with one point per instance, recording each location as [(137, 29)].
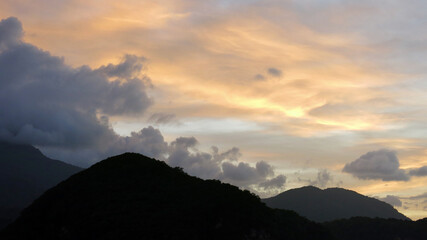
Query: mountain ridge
[(131, 195), (25, 173), (331, 204)]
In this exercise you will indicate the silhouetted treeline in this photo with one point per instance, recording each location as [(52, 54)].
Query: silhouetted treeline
[(134, 197), (377, 228)]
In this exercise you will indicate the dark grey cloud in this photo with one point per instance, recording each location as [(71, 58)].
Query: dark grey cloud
[(148, 141), (128, 68), (243, 174), (276, 182), (419, 172), (11, 33), (161, 118), (264, 169), (274, 72), (47, 103), (392, 200), (65, 112), (233, 154), (381, 164), (182, 153)]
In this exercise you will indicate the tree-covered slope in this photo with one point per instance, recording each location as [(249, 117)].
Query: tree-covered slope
[(131, 196), (378, 228)]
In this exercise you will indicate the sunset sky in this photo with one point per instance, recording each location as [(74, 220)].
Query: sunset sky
[(290, 93)]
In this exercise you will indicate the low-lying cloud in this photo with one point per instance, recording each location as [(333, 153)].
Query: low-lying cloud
[(274, 72), (276, 182)]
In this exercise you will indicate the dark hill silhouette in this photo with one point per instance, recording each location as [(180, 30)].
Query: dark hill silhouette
[(131, 196), (25, 173), (331, 204), (378, 228)]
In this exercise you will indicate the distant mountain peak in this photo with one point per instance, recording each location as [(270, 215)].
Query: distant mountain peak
[(25, 173), (331, 204)]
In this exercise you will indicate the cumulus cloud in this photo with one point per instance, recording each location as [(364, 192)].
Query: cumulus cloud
[(45, 102), (233, 154), (11, 33), (276, 182), (65, 112), (381, 164), (392, 200), (148, 141), (274, 72), (182, 153), (225, 165), (126, 69), (243, 174), (419, 172)]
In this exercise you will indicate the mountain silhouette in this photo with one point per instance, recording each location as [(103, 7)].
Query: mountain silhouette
[(131, 196), (25, 173), (331, 204)]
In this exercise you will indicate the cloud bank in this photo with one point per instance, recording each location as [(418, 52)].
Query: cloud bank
[(65, 111), (44, 102)]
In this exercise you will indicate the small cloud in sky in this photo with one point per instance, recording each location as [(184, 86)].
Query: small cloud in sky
[(259, 77), (274, 72), (161, 118)]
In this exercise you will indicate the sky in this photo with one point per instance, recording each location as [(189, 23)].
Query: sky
[(267, 95)]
